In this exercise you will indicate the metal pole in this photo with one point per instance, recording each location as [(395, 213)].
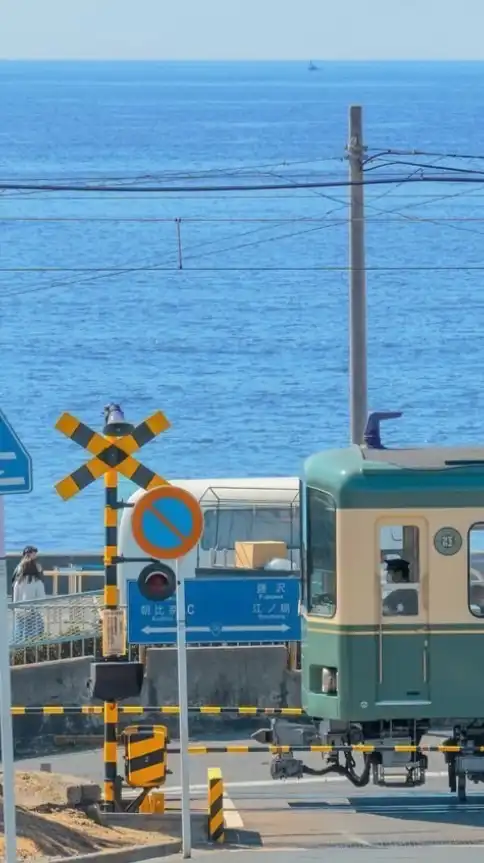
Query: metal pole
[(183, 700), (6, 726), (357, 316), (110, 602), (114, 634)]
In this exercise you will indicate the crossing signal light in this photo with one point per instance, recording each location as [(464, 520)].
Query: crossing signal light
[(114, 421), (157, 582)]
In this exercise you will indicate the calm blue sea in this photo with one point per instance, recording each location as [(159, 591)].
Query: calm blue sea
[(245, 346)]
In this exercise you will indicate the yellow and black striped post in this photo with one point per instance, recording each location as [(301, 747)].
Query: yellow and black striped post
[(216, 824), (110, 755), (111, 601)]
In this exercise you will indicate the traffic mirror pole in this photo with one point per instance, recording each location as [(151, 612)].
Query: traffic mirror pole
[(6, 725)]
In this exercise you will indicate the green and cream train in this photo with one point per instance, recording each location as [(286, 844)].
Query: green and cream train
[(392, 567)]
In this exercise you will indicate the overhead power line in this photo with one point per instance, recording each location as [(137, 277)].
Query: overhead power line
[(260, 187)]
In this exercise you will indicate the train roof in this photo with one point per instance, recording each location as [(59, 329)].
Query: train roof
[(363, 477)]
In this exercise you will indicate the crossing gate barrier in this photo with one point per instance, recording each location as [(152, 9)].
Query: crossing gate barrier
[(216, 822), (145, 755), (274, 749), (166, 709)]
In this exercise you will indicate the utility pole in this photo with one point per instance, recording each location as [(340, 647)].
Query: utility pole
[(357, 298)]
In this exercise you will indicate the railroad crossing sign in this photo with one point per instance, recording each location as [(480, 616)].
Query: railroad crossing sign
[(110, 454), (167, 522)]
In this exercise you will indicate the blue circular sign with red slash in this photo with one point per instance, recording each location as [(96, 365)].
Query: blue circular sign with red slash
[(167, 522)]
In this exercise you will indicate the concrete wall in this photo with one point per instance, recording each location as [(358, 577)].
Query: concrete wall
[(220, 676), (59, 683)]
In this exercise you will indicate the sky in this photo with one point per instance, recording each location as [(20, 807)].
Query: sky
[(242, 29)]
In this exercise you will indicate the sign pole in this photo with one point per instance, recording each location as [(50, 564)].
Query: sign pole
[(6, 726), (183, 699)]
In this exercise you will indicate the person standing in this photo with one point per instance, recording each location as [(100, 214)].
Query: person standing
[(28, 586), (28, 563)]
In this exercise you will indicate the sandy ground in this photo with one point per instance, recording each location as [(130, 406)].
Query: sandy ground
[(47, 827)]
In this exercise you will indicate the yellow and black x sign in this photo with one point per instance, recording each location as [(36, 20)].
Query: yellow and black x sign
[(110, 453)]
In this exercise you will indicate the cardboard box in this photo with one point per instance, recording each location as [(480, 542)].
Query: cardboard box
[(255, 555)]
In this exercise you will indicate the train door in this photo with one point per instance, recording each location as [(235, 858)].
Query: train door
[(403, 611)]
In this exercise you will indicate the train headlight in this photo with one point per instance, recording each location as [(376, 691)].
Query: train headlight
[(329, 681)]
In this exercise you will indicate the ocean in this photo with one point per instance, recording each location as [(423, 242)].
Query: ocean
[(228, 311)]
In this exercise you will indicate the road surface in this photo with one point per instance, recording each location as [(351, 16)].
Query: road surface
[(318, 813)]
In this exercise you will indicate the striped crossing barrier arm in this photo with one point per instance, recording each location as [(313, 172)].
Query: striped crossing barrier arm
[(166, 709), (278, 750), (93, 740)]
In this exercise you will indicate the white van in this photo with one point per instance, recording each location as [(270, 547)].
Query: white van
[(234, 510)]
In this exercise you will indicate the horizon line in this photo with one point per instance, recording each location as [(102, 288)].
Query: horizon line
[(160, 60)]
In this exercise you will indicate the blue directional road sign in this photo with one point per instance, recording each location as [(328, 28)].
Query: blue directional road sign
[(15, 462), (219, 610)]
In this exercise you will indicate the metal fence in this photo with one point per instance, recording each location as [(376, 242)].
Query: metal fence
[(38, 626)]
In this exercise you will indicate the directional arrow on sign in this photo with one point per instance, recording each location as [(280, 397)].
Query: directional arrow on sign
[(151, 630), (276, 628)]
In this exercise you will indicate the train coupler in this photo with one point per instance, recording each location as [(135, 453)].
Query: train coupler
[(285, 766)]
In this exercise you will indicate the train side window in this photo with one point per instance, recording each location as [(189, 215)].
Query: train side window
[(224, 526), (321, 553), (399, 570), (476, 569)]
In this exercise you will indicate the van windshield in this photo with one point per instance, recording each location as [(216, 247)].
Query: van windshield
[(224, 527)]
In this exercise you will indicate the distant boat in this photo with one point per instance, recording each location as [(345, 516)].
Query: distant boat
[(312, 67)]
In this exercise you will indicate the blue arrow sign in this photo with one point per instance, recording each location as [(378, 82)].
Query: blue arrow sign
[(220, 610), (15, 461)]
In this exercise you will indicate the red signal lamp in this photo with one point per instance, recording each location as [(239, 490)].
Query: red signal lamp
[(157, 582)]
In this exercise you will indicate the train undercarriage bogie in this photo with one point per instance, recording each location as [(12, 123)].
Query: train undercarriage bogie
[(466, 764), (388, 763)]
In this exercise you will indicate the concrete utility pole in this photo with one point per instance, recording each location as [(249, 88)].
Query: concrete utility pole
[(357, 316)]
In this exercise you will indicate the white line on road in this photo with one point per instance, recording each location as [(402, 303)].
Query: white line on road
[(233, 820), (283, 783)]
